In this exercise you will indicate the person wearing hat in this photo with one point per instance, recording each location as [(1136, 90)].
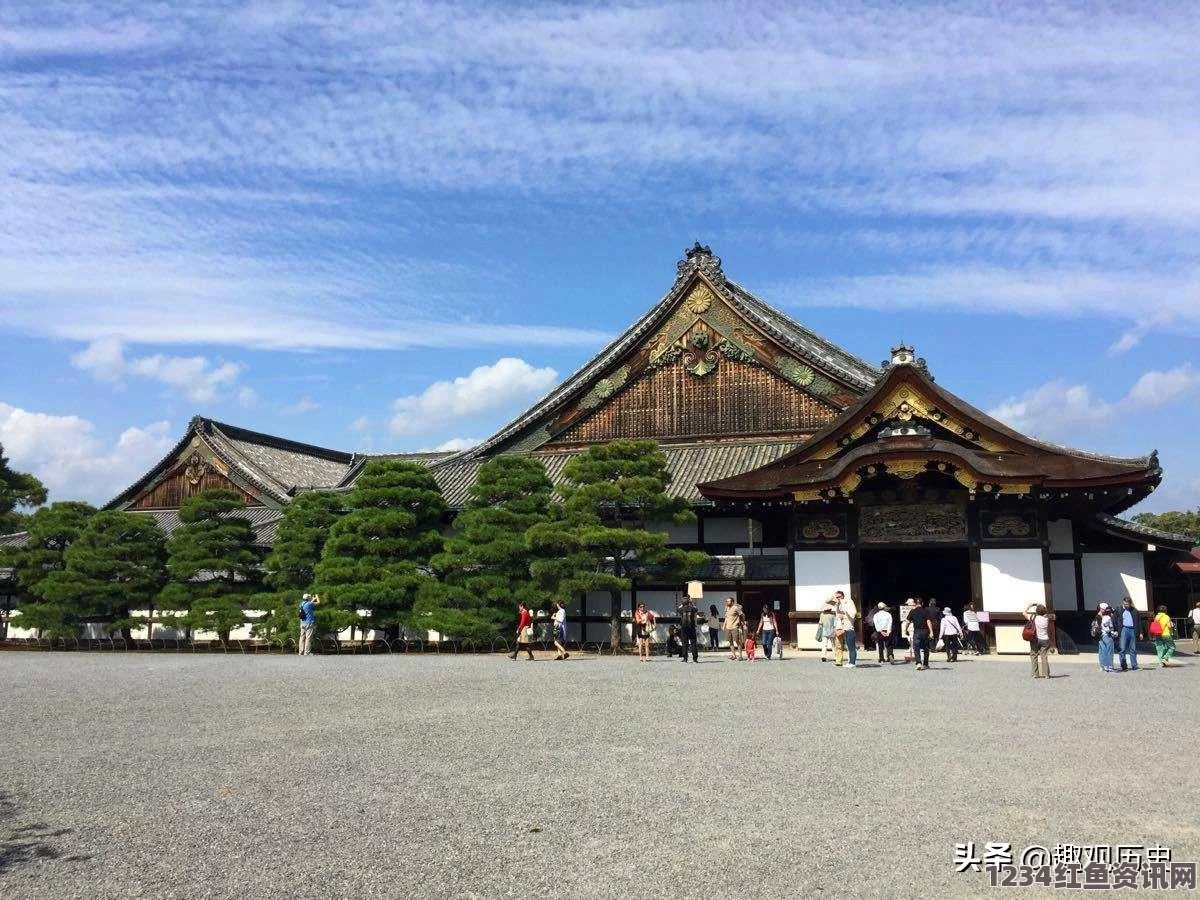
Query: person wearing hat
[(951, 632), (906, 627), (1106, 634), (882, 620), (308, 623)]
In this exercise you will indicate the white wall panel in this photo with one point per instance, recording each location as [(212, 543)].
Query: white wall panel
[(1012, 579), (1061, 536), (1062, 582), (818, 574), (599, 604), (661, 603), (1111, 576)]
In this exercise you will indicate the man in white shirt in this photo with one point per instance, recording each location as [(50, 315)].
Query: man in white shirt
[(882, 620), (844, 606), (1196, 628)]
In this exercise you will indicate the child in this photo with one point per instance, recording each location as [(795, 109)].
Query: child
[(750, 645)]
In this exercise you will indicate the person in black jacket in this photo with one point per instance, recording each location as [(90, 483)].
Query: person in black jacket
[(688, 621), (921, 635), (935, 619)]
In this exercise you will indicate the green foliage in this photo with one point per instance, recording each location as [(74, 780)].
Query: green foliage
[(52, 530), (377, 555), (598, 539), (211, 557), (300, 537), (115, 565), (17, 489), (485, 567), (1179, 521)]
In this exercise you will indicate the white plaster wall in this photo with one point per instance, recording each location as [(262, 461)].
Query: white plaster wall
[(1012, 579), (731, 531), (677, 534), (1061, 534), (661, 603), (818, 574), (599, 604), (1062, 582), (1111, 576)]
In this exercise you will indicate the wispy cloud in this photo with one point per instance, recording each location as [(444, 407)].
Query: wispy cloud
[(195, 377)]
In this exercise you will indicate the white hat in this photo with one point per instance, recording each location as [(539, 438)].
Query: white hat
[(304, 597), (881, 606), (1105, 606), (946, 612)]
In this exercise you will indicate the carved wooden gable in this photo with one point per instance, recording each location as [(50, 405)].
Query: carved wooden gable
[(195, 471), (706, 372)]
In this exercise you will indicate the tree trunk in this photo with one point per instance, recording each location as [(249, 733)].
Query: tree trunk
[(614, 624)]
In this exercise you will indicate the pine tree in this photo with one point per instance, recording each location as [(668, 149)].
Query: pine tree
[(599, 541), (484, 568), (52, 529), (115, 565), (377, 555), (300, 537), (212, 563), (17, 489)]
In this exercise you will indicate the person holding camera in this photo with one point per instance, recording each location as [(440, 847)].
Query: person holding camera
[(308, 623), (688, 622)]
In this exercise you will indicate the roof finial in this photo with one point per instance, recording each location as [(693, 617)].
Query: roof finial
[(903, 354), (699, 258)]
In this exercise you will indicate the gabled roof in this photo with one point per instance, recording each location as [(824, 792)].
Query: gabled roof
[(698, 266), (275, 467), (1136, 530), (954, 433)]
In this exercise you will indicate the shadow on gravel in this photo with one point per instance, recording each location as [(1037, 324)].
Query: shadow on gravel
[(27, 843)]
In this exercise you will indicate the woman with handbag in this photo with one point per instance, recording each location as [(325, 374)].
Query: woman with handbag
[(524, 639), (1037, 632), (952, 632), (643, 630)]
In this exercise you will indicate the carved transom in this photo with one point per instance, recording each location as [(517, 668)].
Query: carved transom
[(195, 470)]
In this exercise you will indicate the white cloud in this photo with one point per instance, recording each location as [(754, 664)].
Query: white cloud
[(304, 405), (247, 397), (193, 376), (454, 445), (506, 381), (361, 425), (64, 452), (1057, 410)]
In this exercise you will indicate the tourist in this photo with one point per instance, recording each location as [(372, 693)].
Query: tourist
[(560, 629), (674, 645), (951, 632), (643, 630), (975, 642), (524, 638), (1163, 633), (843, 636), (845, 607), (750, 645), (1130, 631), (767, 631), (921, 630), (1196, 628), (825, 627), (935, 619), (906, 629), (308, 623), (714, 627), (735, 627), (689, 618), (882, 622), (1105, 632), (1039, 647)]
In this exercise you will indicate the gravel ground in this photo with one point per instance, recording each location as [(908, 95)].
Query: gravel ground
[(186, 776)]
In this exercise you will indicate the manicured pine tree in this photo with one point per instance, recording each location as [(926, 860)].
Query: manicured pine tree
[(599, 540), (299, 539), (52, 529), (212, 563), (484, 568), (377, 556), (116, 565), (17, 489)]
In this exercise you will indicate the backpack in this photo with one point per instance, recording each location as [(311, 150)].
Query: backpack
[(1156, 628), (1096, 629)]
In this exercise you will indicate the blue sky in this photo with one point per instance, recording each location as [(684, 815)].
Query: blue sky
[(393, 226)]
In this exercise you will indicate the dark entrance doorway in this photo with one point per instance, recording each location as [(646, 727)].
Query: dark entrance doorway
[(891, 576), (755, 597)]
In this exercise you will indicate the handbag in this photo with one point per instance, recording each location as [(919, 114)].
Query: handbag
[(1156, 628), (941, 645), (1029, 632), (527, 633), (820, 633)]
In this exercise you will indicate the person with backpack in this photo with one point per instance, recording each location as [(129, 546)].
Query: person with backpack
[(1105, 633), (1129, 630), (308, 623), (1037, 632), (1163, 633)]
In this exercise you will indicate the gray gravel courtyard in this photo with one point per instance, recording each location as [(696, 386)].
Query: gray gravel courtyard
[(183, 775)]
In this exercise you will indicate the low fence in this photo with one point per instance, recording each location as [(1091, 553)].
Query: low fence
[(327, 646)]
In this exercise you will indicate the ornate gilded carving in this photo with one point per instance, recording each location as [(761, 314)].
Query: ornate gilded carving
[(700, 299), (905, 468), (605, 388), (821, 528), (795, 372), (195, 470), (912, 523), (700, 258), (806, 496), (1010, 525), (531, 441), (1016, 488)]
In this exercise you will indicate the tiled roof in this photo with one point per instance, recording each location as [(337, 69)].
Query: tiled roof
[(421, 458), (1128, 528), (17, 539), (263, 519), (689, 465)]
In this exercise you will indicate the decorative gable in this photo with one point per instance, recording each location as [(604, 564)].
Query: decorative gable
[(196, 469)]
